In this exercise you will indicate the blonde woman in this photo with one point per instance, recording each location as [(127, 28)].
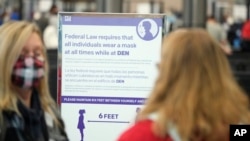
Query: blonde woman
[(27, 110), (195, 97)]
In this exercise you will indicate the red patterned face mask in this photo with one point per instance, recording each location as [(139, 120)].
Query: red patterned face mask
[(27, 72)]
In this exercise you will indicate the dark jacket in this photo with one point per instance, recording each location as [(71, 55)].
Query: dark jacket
[(33, 124)]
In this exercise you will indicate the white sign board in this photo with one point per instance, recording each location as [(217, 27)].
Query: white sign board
[(107, 70), (239, 12)]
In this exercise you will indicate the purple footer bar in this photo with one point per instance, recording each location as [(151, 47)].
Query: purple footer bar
[(103, 100)]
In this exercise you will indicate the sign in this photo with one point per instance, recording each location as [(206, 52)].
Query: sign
[(107, 68)]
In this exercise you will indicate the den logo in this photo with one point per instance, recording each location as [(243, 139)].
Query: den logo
[(67, 18), (239, 132)]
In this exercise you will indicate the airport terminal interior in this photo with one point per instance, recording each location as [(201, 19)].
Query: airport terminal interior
[(230, 14)]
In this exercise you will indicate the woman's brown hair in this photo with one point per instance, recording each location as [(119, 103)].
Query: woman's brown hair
[(195, 90)]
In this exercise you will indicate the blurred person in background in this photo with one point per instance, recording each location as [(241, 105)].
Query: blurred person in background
[(15, 15), (27, 111), (2, 17), (41, 19), (227, 22), (195, 97), (234, 34), (218, 33), (245, 35), (50, 34)]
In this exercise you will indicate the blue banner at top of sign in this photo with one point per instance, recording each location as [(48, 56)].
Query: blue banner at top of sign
[(147, 28), (107, 21)]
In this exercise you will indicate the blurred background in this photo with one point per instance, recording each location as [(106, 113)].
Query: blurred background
[(230, 14), (34, 9)]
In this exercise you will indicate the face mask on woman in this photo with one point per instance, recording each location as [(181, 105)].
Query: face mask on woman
[(27, 72)]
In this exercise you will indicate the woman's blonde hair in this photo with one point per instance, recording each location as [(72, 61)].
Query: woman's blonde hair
[(13, 36), (195, 90)]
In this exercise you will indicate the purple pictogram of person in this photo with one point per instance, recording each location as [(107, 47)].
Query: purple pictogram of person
[(147, 26), (81, 125)]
